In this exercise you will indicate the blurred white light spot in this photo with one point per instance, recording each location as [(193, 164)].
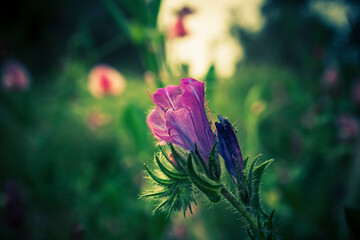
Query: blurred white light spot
[(208, 40)]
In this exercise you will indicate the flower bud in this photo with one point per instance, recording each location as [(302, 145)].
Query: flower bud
[(228, 148)]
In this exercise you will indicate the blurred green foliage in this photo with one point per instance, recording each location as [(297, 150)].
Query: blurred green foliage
[(76, 174)]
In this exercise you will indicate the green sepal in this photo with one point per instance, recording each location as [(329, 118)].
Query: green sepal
[(177, 157), (175, 165), (255, 179), (160, 181), (213, 196), (245, 192), (196, 178), (211, 190), (154, 195), (251, 173), (244, 167), (169, 173), (201, 161), (214, 164)]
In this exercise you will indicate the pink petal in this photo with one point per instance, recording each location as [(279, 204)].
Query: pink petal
[(168, 98), (185, 81), (156, 123), (181, 128), (193, 99)]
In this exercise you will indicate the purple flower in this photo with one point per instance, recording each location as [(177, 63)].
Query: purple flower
[(228, 147), (179, 117)]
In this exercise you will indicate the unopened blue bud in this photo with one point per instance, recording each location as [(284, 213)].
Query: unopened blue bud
[(228, 148)]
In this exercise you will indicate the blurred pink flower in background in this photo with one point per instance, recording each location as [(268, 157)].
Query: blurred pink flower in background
[(178, 29), (105, 80), (348, 127), (97, 119), (14, 76)]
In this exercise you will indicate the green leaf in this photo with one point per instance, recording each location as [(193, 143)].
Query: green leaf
[(154, 7), (213, 196), (245, 164), (174, 164), (212, 191), (214, 164), (158, 180), (154, 195), (196, 178), (169, 173), (177, 157), (201, 161), (251, 173), (353, 220), (118, 15), (255, 182)]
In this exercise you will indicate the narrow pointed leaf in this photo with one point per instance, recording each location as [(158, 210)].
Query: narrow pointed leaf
[(245, 162), (176, 165), (172, 206), (154, 195), (198, 180), (177, 157), (158, 180), (169, 173), (255, 181), (162, 204), (213, 196), (251, 173), (214, 164), (244, 173), (209, 189), (201, 161)]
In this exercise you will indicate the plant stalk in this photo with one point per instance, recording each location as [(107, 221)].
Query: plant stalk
[(239, 207)]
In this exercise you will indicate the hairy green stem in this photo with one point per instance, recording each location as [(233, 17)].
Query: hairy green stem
[(239, 207)]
